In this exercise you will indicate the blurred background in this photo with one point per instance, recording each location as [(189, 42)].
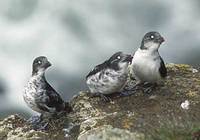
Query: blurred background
[(78, 34)]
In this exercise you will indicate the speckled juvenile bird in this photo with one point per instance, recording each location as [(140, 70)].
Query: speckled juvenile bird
[(110, 76), (38, 93), (147, 64)]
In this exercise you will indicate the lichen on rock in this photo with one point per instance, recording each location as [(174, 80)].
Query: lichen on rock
[(15, 128)]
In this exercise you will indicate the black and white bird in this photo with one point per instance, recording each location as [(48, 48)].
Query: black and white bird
[(38, 93), (110, 76), (147, 64)]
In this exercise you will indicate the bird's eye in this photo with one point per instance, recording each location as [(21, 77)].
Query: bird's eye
[(152, 37), (39, 62), (118, 57)]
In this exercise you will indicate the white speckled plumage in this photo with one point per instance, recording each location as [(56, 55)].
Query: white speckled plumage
[(110, 76), (109, 82), (38, 94), (34, 91)]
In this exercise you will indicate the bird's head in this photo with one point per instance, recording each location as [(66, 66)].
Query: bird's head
[(151, 41), (40, 64), (120, 60)]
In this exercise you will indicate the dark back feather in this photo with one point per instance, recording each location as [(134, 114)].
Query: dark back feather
[(98, 68), (55, 99)]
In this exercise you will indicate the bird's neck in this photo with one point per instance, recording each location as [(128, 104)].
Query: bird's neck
[(123, 67), (39, 73), (153, 52), (150, 47), (148, 53)]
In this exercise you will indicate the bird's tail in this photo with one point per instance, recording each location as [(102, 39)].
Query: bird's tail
[(68, 107)]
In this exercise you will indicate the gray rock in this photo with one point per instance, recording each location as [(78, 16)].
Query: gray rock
[(158, 115), (110, 133)]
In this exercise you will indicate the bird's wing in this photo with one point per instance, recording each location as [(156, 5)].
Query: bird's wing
[(97, 69), (51, 101), (162, 69)]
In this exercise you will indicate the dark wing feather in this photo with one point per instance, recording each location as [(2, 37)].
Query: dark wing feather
[(97, 69), (55, 99), (162, 69), (51, 99)]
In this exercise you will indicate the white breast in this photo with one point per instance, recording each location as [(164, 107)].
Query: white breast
[(145, 66), (30, 93)]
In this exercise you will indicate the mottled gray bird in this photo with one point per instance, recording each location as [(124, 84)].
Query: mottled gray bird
[(147, 64), (110, 76), (38, 93)]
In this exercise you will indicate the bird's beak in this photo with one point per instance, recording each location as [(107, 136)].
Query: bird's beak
[(48, 64), (162, 40)]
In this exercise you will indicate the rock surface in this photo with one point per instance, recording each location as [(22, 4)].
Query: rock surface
[(171, 111)]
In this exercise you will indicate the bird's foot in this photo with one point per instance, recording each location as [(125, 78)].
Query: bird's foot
[(34, 119), (37, 123), (43, 126), (127, 92), (102, 96), (105, 98), (150, 88), (134, 88)]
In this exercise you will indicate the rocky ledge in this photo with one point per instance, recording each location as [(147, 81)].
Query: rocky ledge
[(171, 112)]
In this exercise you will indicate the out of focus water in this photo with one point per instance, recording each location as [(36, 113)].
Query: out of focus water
[(77, 34)]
